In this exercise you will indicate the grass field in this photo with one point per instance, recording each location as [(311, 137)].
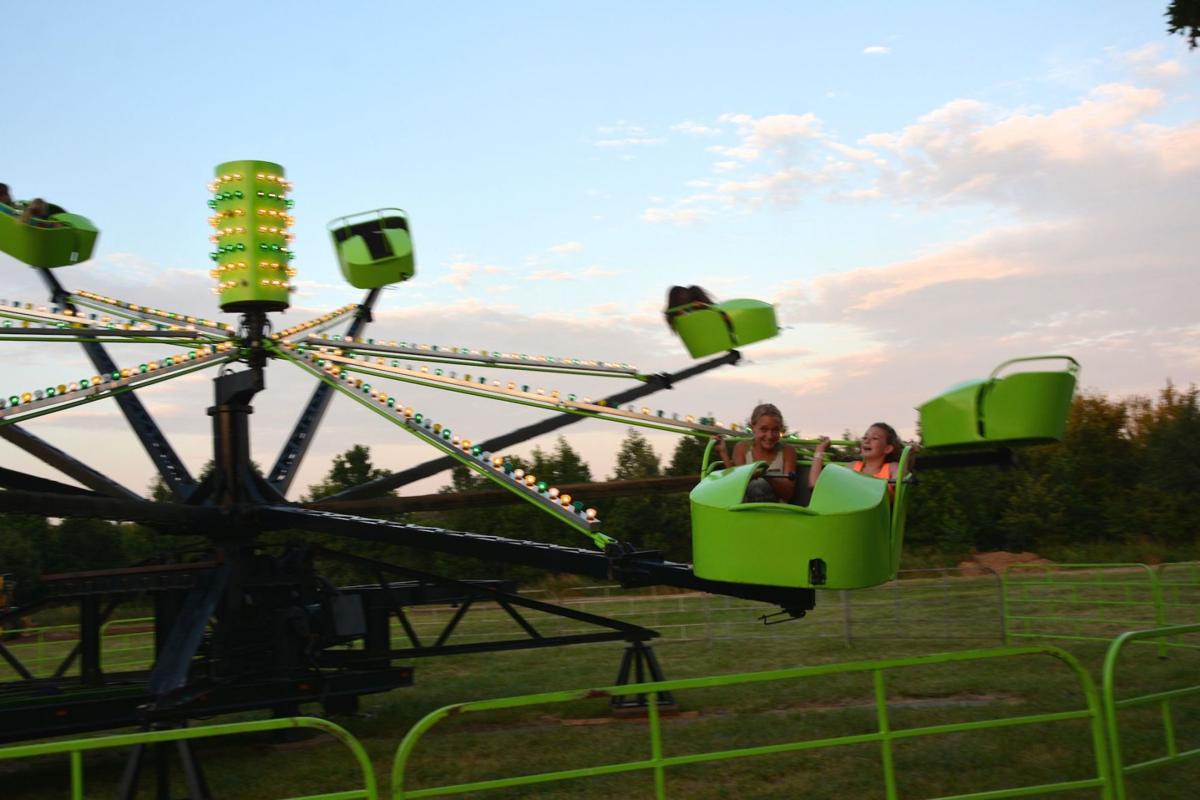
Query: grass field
[(707, 636)]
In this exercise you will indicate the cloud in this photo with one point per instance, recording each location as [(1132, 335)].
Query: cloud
[(868, 289), (1147, 64), (773, 132), (876, 50), (559, 275), (1070, 133), (675, 216), (551, 275), (463, 273), (629, 141), (853, 153), (741, 153), (781, 187), (566, 247), (625, 134), (857, 194), (1103, 150), (779, 147), (696, 129)]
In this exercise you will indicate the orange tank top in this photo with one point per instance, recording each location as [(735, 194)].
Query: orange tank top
[(884, 471)]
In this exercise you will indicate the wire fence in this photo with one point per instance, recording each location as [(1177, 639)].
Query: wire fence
[(1026, 601)]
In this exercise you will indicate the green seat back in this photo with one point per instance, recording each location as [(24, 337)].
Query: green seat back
[(751, 320), (386, 259), (1028, 407), (714, 329), (703, 332), (952, 418), (402, 247), (71, 243), (365, 272), (847, 526), (1022, 408)]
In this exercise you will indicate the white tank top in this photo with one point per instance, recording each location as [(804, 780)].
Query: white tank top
[(775, 468)]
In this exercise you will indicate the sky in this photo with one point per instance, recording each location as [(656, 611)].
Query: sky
[(924, 190)]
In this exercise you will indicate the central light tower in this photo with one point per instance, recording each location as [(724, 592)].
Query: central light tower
[(251, 220)]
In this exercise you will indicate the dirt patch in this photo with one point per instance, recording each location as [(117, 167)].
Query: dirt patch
[(997, 561)]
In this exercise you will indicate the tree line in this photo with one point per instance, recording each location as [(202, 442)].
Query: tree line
[(1124, 484)]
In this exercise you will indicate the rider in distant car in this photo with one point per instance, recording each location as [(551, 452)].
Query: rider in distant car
[(680, 296), (38, 213), (7, 204)]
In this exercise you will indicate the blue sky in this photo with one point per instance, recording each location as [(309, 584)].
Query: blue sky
[(924, 189)]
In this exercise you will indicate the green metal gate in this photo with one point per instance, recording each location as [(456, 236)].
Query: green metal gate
[(885, 734)]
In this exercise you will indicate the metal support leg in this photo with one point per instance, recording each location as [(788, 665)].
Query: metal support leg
[(193, 775), (639, 659)]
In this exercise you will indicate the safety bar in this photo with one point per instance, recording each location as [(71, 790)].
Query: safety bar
[(1073, 368)]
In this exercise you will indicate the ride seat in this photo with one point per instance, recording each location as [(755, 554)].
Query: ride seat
[(848, 537), (71, 242), (1019, 409), (374, 252), (706, 329)]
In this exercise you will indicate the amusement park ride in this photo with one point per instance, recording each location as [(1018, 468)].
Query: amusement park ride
[(251, 627)]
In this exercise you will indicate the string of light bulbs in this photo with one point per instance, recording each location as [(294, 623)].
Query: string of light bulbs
[(524, 394), (36, 402), (175, 320), (468, 357), (497, 468)]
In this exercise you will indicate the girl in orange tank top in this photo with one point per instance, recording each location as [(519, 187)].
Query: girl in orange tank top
[(880, 448)]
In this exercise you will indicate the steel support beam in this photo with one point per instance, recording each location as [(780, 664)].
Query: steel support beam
[(168, 464), (281, 475), (653, 384), (174, 517), (632, 569), (72, 468)]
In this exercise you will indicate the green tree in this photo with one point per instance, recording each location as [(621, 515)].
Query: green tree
[(77, 545), (674, 510), (688, 455), (1164, 501), (636, 458), (1183, 17), (22, 544), (563, 464), (350, 468), (639, 520)]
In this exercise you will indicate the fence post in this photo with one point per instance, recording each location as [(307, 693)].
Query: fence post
[(1003, 586), (846, 618), (885, 730), (656, 748), (1160, 607)]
